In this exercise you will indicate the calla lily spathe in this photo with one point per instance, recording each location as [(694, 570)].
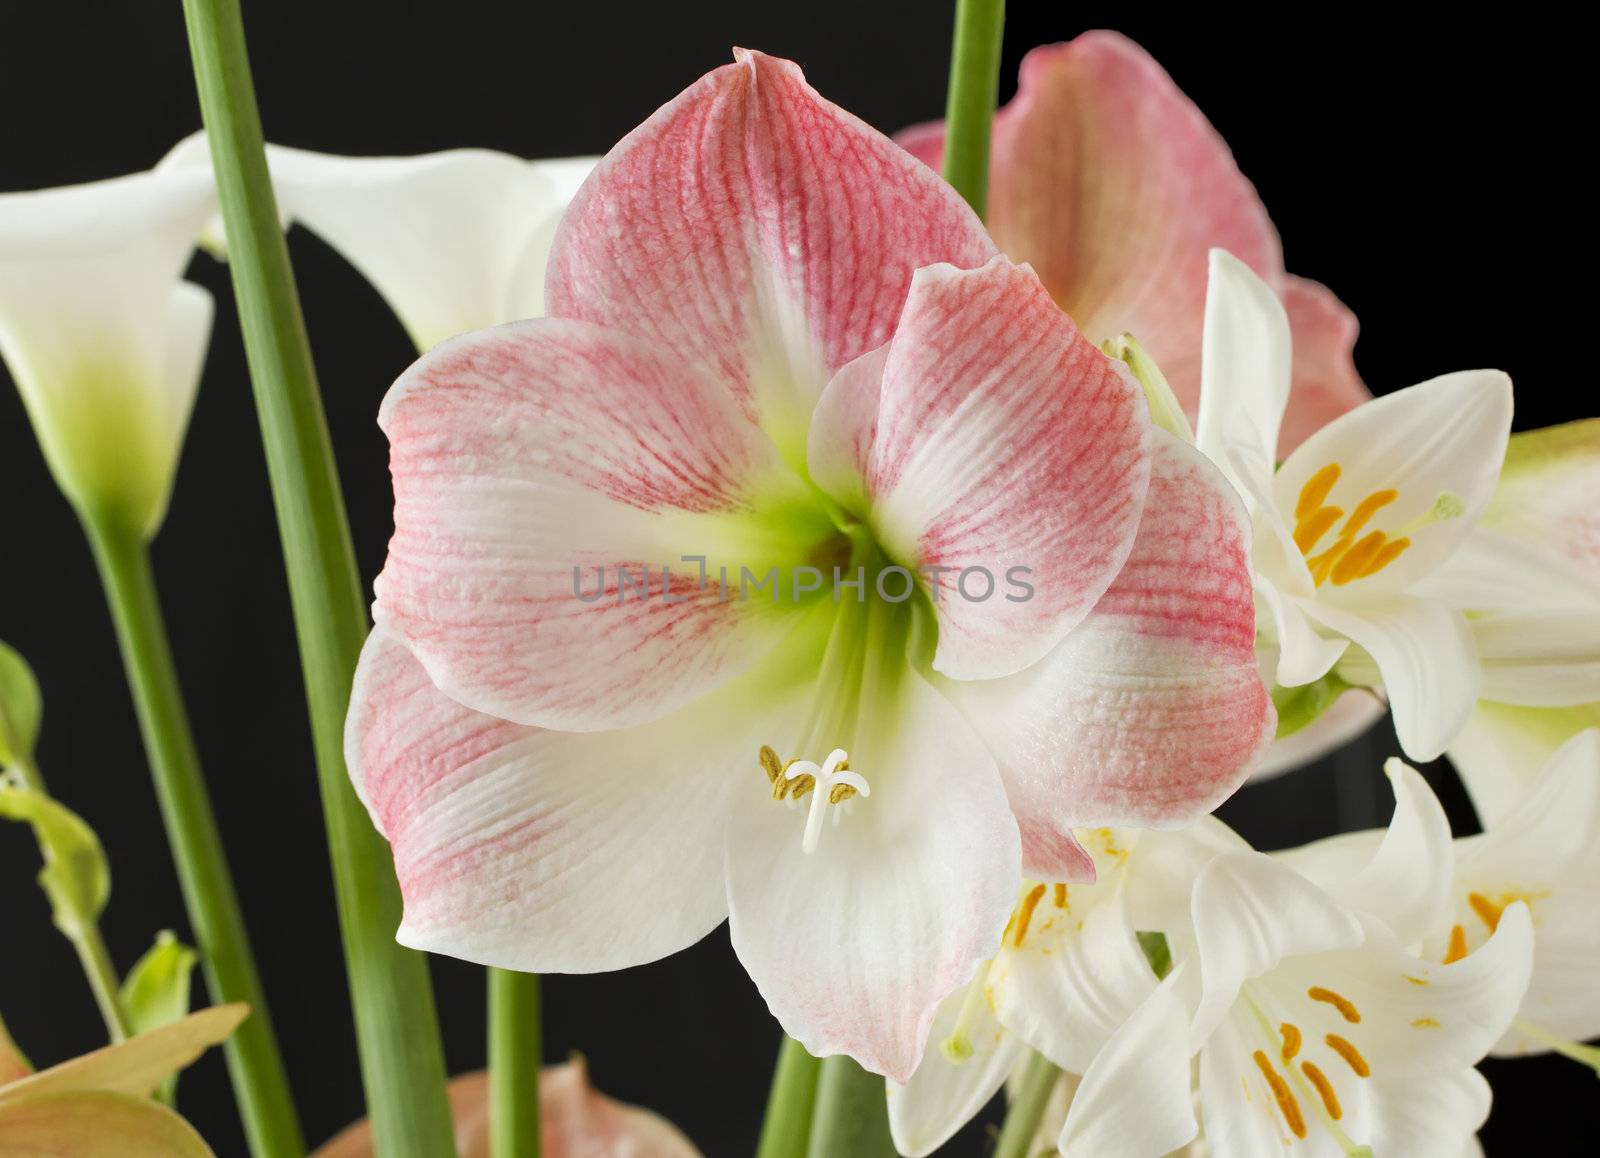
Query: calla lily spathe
[(808, 355), (104, 340), (454, 241), (1360, 517), (1111, 183)]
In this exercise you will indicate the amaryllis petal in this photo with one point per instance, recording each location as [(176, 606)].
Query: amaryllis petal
[(945, 1094), (1326, 384), (546, 851), (1004, 446), (95, 1124), (454, 241), (550, 477), (855, 944), (754, 228), (1153, 710), (575, 1121)]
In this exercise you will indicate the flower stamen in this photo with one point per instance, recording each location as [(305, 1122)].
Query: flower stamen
[(831, 783), (1351, 558), (1284, 1095), (1346, 1008), (1350, 1053)]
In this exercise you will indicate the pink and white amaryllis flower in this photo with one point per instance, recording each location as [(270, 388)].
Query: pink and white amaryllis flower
[(1113, 185), (697, 604)]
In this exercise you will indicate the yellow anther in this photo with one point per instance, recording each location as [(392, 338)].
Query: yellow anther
[(1061, 896), (1025, 913), (1424, 1023), (1309, 531), (771, 765), (1488, 912), (840, 792), (1283, 1094), (1368, 507), (1291, 1040), (1458, 945), (1346, 1009), (1316, 489), (1330, 1100), (1350, 1053), (1353, 563)]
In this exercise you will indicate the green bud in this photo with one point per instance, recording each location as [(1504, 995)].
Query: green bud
[(1164, 409), (156, 992), (75, 876), (20, 709), (1302, 706)]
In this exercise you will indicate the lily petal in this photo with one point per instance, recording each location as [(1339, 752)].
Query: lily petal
[(784, 251), (1502, 748), (1153, 710), (1442, 1114), (1435, 449), (96, 1124), (135, 1066), (856, 944), (547, 851), (104, 349), (944, 1095), (1135, 1098), (1251, 912), (1546, 492), (454, 241), (1003, 444), (1402, 874), (1428, 661), (527, 457), (1548, 659)]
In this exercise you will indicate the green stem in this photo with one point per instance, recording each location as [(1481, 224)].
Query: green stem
[(851, 1115), (514, 1060), (397, 1029), (1026, 1111), (974, 91), (1588, 1055), (786, 1129), (89, 944), (259, 1081)]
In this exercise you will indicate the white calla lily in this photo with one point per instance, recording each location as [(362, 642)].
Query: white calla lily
[(104, 340), (1359, 514), (454, 241)]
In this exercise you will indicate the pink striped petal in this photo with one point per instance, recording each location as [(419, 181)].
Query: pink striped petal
[(527, 451), (545, 851), (753, 227), (1004, 450), (1153, 711), (1113, 185), (1325, 383)]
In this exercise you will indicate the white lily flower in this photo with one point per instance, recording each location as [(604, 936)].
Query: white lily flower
[(1359, 514), (454, 241), (104, 340), (1068, 972), (1317, 1032)]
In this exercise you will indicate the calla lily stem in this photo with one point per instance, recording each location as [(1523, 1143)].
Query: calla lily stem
[(514, 1061), (974, 91), (786, 1129), (1039, 1080), (402, 1058), (259, 1080)]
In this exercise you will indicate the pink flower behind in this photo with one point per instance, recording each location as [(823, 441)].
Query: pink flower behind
[(1112, 184)]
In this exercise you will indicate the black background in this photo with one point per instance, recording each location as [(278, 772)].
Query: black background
[(1424, 174)]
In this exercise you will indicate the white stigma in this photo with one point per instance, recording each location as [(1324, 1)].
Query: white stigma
[(829, 776)]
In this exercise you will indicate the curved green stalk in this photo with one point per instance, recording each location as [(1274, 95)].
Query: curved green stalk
[(1026, 1111), (397, 1030), (259, 1081), (514, 1060), (974, 91), (786, 1128)]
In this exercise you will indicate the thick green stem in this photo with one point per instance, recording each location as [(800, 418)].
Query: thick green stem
[(259, 1081), (514, 1060), (974, 90), (786, 1129), (852, 1113), (1026, 1111), (88, 943), (402, 1059)]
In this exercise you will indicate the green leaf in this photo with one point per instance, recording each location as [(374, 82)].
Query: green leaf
[(1156, 951), (20, 708), (156, 992), (75, 876), (1302, 706)]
